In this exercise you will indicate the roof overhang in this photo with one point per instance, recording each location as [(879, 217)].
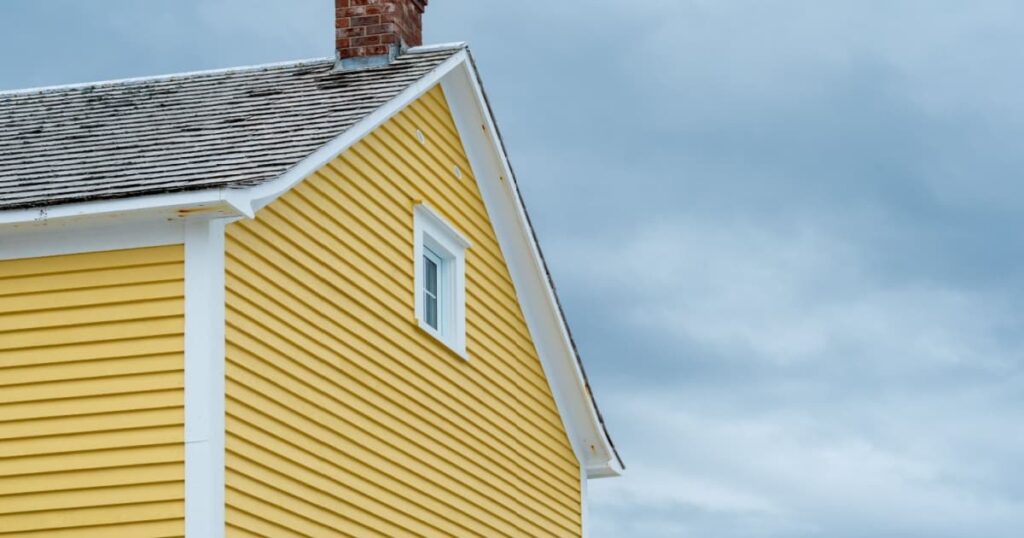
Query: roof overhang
[(482, 140)]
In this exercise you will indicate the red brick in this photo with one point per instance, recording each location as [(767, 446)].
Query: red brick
[(351, 32), (386, 28), (372, 27), (366, 41), (368, 20)]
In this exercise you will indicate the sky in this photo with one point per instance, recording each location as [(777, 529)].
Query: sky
[(787, 233)]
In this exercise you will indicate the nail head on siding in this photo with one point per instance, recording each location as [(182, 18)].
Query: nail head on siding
[(420, 137), (458, 172)]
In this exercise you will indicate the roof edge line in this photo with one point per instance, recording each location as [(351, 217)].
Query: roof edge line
[(615, 465), (163, 77), (218, 200)]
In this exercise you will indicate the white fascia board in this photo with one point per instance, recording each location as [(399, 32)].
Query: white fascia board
[(220, 202), (540, 306), (56, 240), (263, 194)]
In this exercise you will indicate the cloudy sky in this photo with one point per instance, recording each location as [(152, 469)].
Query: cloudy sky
[(788, 234)]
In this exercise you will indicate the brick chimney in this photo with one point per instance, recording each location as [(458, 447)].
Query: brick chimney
[(371, 33)]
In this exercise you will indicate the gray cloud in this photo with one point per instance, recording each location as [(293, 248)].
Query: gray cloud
[(786, 234)]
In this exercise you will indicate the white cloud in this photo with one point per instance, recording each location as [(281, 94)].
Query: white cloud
[(849, 430)]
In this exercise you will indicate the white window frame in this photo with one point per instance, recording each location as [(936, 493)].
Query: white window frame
[(432, 232)]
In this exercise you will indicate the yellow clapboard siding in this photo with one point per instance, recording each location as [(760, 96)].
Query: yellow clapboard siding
[(91, 394), (272, 329), (91, 296), (310, 471), (420, 422), (106, 261), (169, 362), (61, 317), (266, 280), (422, 411), (123, 420), (339, 407), (111, 516), (87, 351), (168, 528), (359, 185), (14, 288), (261, 498), (102, 403), (92, 478), (241, 523), (100, 332), (99, 496), (93, 459), (378, 454), (332, 505), (287, 222), (74, 388), (315, 292)]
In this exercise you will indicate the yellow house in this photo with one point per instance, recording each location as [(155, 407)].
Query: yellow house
[(300, 299)]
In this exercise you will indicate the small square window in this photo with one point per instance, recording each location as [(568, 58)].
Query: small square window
[(440, 254)]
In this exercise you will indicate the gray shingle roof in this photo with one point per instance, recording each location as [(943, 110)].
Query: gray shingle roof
[(188, 132)]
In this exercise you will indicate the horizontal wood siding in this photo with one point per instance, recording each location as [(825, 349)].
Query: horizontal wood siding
[(91, 394), (343, 416)]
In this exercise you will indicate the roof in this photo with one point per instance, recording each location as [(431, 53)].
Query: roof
[(229, 128)]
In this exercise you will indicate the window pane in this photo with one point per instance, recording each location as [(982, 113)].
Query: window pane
[(430, 280), (430, 284), (430, 306)]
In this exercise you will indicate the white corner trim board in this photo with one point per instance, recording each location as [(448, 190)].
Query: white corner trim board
[(204, 378)]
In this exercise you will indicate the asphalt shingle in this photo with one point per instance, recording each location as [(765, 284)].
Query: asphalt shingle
[(228, 128)]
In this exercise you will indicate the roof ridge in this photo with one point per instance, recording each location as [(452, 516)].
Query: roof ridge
[(163, 77), (423, 49)]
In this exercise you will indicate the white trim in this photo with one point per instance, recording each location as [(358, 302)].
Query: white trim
[(436, 47), (213, 202), (540, 307), (263, 194), (55, 240), (584, 505), (431, 231), (204, 378)]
